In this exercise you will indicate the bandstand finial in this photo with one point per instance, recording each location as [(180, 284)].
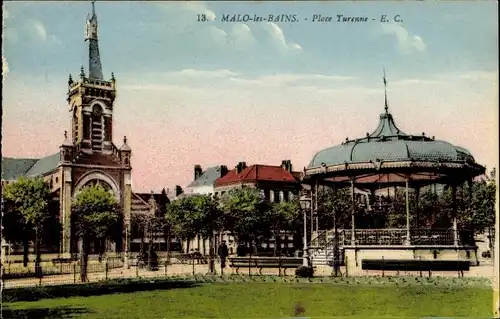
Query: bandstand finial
[(386, 107)]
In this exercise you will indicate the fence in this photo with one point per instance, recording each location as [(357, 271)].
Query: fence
[(183, 265)]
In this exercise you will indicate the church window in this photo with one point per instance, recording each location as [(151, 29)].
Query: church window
[(108, 129), (97, 128), (75, 124), (57, 180), (86, 126)]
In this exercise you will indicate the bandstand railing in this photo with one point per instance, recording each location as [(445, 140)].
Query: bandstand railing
[(397, 237), (384, 237)]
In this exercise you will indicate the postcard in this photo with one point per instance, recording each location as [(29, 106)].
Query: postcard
[(246, 151)]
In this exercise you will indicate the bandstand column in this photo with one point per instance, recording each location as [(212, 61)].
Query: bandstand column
[(408, 241), (315, 212), (353, 211), (417, 208), (312, 213), (454, 211)]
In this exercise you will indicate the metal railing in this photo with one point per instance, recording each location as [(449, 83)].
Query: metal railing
[(319, 240), (396, 237), (385, 237)]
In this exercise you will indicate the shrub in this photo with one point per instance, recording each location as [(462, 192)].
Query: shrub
[(304, 272), (486, 254)]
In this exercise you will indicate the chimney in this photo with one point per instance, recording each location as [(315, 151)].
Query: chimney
[(223, 170), (178, 190), (286, 165), (197, 171), (240, 167), (283, 164)]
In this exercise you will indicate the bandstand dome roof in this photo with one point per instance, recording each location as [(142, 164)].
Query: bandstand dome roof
[(389, 144)]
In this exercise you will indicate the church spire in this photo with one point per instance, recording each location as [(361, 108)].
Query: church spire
[(95, 67), (386, 107)]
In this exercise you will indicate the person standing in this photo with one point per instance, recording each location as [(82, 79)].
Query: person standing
[(223, 252)]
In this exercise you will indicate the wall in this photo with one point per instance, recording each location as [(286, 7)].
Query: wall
[(354, 257)]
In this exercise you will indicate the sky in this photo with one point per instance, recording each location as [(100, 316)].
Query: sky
[(216, 93)]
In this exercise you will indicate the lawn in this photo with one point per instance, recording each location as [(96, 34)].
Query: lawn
[(270, 300)]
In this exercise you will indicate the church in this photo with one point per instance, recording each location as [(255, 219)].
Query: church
[(89, 157)]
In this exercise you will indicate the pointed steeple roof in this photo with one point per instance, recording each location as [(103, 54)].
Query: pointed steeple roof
[(66, 141), (95, 67), (386, 127), (125, 146)]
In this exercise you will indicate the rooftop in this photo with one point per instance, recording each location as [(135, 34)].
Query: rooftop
[(389, 143), (257, 172), (207, 178), (13, 168)]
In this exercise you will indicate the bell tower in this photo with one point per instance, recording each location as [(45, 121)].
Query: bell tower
[(91, 99)]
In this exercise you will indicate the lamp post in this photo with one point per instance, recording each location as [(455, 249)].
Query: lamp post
[(305, 203)]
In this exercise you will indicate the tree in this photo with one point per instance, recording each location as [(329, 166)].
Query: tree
[(163, 202), (332, 202), (284, 216), (30, 198), (434, 210), (246, 213), (16, 229), (211, 221), (147, 224), (195, 215), (183, 218), (476, 206), (95, 215)]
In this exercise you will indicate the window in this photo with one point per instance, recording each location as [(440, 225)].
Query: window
[(271, 196), (290, 196), (282, 196), (57, 180)]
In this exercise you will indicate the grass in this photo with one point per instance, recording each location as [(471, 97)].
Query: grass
[(269, 299)]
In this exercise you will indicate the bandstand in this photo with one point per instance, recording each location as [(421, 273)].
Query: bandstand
[(385, 159)]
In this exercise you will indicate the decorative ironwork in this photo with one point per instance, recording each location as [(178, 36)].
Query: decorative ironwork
[(397, 237)]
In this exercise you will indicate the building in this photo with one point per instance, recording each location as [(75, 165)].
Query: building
[(90, 157), (204, 181), (276, 182)]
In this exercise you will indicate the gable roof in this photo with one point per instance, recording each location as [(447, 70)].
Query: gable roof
[(13, 168), (256, 173), (207, 178), (44, 165)]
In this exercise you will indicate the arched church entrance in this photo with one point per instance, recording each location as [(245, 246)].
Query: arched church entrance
[(113, 243)]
